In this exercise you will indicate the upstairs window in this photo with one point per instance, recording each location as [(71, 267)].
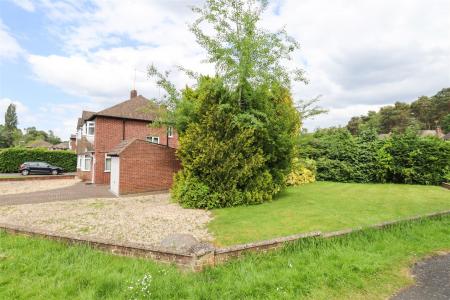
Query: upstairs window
[(170, 131), (153, 139), (90, 128)]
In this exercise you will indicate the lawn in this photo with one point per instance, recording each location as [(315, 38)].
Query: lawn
[(325, 206), (366, 265)]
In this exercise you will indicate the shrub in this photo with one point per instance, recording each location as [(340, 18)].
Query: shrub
[(402, 158), (417, 160), (12, 158), (232, 156), (303, 171)]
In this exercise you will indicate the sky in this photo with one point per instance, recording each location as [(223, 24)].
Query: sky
[(60, 57)]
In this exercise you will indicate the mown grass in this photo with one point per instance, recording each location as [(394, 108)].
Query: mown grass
[(366, 265), (325, 206)]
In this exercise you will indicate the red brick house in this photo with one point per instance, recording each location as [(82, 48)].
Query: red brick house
[(122, 134)]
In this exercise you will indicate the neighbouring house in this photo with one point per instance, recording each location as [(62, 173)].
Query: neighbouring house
[(437, 133), (61, 146), (116, 146), (447, 137), (423, 133), (39, 144)]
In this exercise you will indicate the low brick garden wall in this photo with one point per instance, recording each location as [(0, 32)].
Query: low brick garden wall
[(204, 255), (38, 177)]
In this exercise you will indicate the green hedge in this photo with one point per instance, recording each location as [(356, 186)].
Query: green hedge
[(401, 158), (12, 158)]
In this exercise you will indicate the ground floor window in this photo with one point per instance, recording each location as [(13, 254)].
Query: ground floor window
[(107, 163), (153, 139), (86, 162)]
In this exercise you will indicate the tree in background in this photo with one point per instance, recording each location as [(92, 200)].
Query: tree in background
[(424, 113), (446, 123), (396, 118), (11, 117), (9, 132), (52, 138), (422, 110), (237, 129)]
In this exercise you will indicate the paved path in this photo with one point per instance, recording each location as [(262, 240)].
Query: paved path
[(432, 280), (74, 192)]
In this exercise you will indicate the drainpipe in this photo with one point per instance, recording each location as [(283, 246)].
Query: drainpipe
[(123, 130)]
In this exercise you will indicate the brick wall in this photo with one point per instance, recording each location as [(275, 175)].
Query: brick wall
[(111, 131), (147, 167), (83, 175)]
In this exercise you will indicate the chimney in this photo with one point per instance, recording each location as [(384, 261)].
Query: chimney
[(133, 94)]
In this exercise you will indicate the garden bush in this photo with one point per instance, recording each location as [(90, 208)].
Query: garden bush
[(12, 158), (232, 156), (401, 158), (303, 171)]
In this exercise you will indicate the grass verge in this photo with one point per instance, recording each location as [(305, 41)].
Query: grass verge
[(367, 265), (325, 206)]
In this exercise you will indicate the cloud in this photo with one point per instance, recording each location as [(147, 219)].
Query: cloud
[(358, 55), (9, 48), (25, 4), (108, 75), (339, 116)]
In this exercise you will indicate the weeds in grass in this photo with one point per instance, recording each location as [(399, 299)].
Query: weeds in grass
[(141, 288)]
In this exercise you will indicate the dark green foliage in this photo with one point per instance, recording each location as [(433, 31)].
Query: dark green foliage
[(9, 131), (231, 156), (416, 160), (12, 158), (402, 158), (446, 124)]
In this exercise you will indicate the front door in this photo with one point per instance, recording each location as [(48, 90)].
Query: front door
[(115, 175)]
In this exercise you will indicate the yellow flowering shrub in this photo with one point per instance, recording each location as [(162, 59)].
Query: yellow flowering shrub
[(303, 171)]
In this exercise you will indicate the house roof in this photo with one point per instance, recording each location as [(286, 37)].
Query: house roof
[(123, 145), (63, 145), (136, 108), (73, 136), (85, 115), (120, 147), (84, 146), (427, 132), (39, 144)]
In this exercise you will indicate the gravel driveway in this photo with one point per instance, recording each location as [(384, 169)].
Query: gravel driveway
[(143, 219), (18, 187)]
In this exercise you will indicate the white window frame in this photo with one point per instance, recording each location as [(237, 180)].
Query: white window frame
[(153, 139), (89, 125), (78, 161), (83, 163), (170, 131), (107, 157)]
